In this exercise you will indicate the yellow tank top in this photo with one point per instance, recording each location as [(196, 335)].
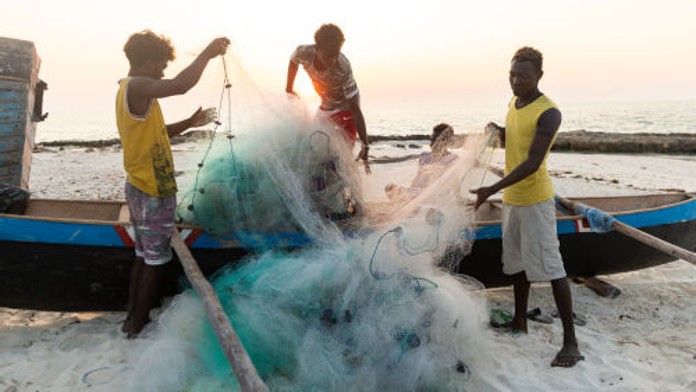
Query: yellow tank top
[(520, 127), (147, 154)]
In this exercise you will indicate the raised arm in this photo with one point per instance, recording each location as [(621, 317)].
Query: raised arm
[(144, 89), (547, 127)]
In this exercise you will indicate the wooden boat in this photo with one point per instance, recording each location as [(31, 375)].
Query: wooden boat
[(21, 107), (75, 255)]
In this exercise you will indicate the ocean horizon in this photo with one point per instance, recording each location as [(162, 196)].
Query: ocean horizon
[(660, 117)]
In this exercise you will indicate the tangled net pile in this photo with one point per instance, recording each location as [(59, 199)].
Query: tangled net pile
[(372, 307)]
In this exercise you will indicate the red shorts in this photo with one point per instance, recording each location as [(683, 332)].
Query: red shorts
[(344, 119)]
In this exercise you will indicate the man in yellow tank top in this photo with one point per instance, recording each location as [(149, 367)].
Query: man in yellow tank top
[(530, 242), (147, 159)]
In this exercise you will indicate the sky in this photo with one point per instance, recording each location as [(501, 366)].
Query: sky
[(434, 51)]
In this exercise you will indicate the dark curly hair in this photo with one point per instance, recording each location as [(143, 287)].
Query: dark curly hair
[(147, 46), (329, 36), (438, 129), (527, 53)]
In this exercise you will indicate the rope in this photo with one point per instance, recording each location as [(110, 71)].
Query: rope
[(422, 249), (489, 144), (226, 87), (486, 146), (382, 276)]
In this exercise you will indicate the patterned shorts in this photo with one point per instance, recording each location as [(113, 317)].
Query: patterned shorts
[(153, 220)]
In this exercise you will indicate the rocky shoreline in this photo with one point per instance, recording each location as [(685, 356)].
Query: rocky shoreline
[(573, 141), (603, 142), (600, 142)]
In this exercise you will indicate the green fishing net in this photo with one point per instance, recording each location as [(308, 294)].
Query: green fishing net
[(372, 309)]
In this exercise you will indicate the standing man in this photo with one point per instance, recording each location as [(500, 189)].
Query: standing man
[(147, 159), (332, 78), (530, 241)]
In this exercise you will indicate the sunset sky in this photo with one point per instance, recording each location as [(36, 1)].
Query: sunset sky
[(432, 51)]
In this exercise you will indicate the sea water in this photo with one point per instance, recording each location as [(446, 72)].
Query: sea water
[(395, 119)]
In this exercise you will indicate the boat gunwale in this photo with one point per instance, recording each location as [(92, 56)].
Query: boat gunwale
[(688, 197), (71, 220)]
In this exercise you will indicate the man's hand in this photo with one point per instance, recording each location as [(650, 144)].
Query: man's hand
[(217, 47), (363, 154), (202, 117), (493, 131), (482, 194)]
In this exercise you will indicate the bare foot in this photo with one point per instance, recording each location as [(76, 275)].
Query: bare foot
[(132, 328), (126, 327), (567, 357), (136, 326), (514, 326)]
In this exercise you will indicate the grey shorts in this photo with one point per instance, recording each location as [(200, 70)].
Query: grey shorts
[(530, 242), (153, 220)]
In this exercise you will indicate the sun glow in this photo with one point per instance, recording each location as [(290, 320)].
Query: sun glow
[(441, 52), (303, 85)]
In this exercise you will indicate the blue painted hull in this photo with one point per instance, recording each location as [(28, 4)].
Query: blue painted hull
[(82, 264)]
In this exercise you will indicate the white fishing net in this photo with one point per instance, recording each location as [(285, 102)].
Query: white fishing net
[(371, 303)]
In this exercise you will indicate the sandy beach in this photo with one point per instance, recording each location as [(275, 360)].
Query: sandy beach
[(643, 340)]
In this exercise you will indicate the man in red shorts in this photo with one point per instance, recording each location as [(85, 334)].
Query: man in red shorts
[(332, 78)]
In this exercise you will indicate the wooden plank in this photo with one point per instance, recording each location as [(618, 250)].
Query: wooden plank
[(18, 76), (124, 214), (246, 373), (18, 58), (104, 212), (11, 150), (10, 178), (26, 161), (4, 78), (12, 129)]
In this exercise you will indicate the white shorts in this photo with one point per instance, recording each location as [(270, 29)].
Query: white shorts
[(530, 242)]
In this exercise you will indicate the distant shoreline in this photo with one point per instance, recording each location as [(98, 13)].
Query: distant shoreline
[(572, 141)]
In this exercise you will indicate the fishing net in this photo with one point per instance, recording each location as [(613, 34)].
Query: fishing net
[(275, 168), (369, 305)]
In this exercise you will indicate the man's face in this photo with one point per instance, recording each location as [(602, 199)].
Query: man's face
[(328, 56), (443, 140), (156, 69), (523, 78)]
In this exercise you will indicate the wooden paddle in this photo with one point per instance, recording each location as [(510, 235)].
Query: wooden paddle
[(621, 227), (246, 373)]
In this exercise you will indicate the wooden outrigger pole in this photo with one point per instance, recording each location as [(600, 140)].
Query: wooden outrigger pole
[(237, 356)]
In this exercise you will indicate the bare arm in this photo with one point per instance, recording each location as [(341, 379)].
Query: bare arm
[(197, 119), (547, 127), (360, 126), (290, 81), (142, 90)]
